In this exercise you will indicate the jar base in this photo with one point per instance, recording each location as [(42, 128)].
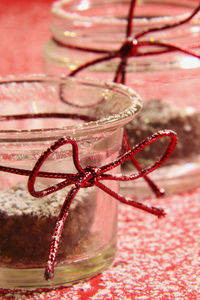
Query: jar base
[(66, 275), (177, 178)]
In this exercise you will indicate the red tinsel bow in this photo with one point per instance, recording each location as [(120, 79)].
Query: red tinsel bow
[(88, 177)]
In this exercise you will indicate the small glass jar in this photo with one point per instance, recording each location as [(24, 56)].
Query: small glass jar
[(88, 239), (168, 83)]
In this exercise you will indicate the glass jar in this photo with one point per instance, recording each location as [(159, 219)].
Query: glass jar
[(168, 83), (36, 112)]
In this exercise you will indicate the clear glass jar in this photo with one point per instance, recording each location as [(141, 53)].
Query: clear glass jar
[(168, 83), (88, 240)]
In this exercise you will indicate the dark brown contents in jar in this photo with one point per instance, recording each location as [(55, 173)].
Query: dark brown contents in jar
[(27, 225), (157, 115)]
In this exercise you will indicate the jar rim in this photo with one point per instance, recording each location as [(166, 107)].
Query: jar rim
[(58, 11), (102, 124)]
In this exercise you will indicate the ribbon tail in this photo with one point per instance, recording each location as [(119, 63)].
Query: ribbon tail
[(159, 212), (158, 191), (121, 71), (130, 18), (49, 271)]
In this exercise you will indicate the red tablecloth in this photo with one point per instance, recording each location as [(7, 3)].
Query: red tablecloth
[(156, 258)]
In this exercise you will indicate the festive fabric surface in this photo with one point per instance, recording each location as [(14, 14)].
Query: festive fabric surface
[(156, 258)]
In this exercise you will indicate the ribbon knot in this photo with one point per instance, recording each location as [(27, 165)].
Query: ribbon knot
[(128, 48), (93, 174)]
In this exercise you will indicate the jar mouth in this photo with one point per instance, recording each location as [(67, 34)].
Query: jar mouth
[(122, 102), (146, 11), (102, 24)]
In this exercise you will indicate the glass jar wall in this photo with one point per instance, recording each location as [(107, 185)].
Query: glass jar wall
[(168, 83), (35, 114)]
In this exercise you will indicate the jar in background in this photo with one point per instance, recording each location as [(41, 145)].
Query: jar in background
[(88, 239), (168, 83)]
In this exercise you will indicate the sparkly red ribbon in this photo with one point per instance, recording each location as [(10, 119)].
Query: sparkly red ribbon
[(87, 177)]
